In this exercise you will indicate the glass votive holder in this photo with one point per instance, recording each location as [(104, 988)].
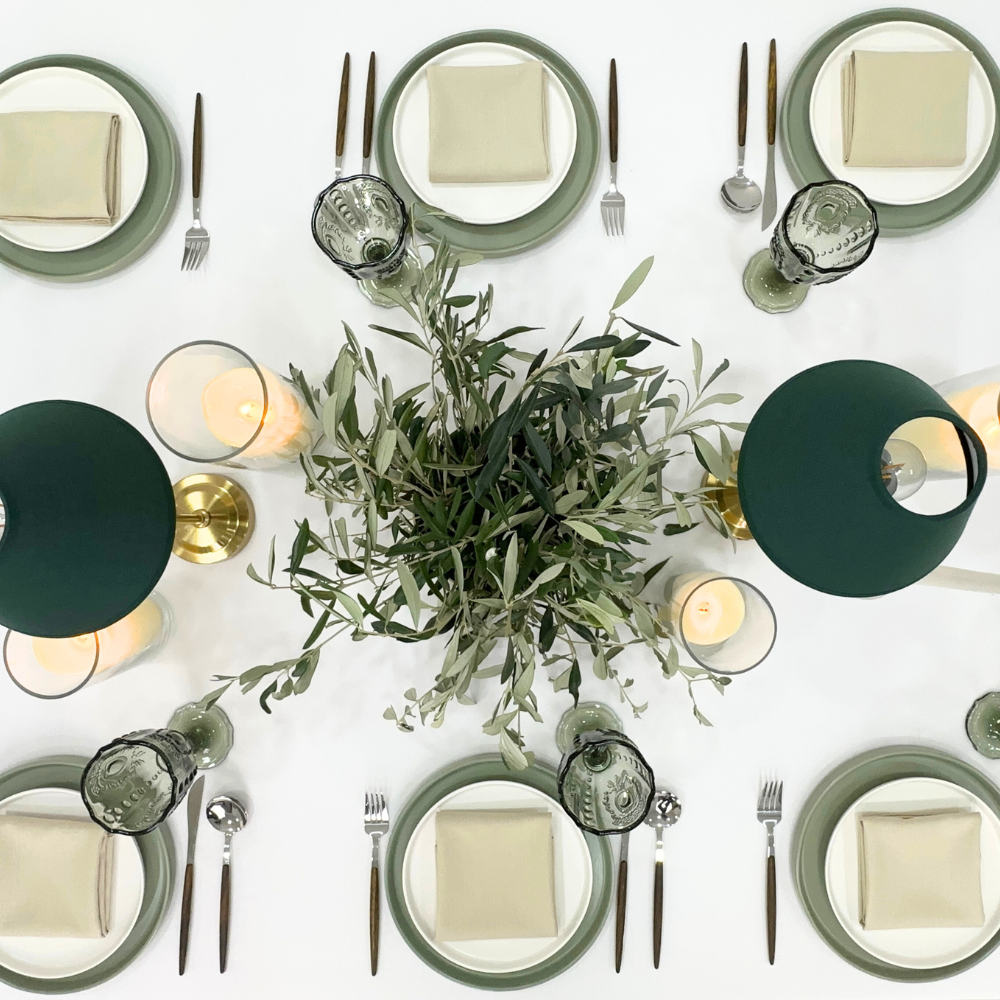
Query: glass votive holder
[(604, 782), (135, 782), (211, 402), (360, 223), (827, 231), (726, 625), (55, 668)]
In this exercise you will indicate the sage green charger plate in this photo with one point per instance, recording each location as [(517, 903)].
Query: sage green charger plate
[(149, 217), (803, 160), (503, 238), (831, 798), (490, 767), (156, 849)]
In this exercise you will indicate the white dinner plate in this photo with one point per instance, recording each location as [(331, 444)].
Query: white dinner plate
[(899, 185), (59, 88), (918, 947), (573, 879), (57, 958), (480, 204)]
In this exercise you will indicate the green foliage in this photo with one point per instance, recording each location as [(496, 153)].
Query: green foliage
[(503, 503)]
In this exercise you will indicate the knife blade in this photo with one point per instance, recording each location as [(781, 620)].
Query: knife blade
[(770, 192), (366, 150), (622, 900), (345, 80), (194, 815)]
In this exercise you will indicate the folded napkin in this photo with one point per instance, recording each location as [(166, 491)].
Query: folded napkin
[(56, 877), (60, 166), (919, 870), (488, 123), (495, 875), (905, 109)]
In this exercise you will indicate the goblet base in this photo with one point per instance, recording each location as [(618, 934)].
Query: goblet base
[(401, 280), (767, 289), (586, 717), (208, 730), (982, 725)]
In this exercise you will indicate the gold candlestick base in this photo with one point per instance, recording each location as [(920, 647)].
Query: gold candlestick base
[(215, 518), (727, 499)]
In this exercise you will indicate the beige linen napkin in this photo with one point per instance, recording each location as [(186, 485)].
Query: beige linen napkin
[(60, 166), (919, 870), (56, 877), (495, 874), (905, 109), (488, 123)]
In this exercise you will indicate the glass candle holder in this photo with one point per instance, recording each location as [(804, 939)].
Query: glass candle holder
[(726, 625), (604, 782), (55, 668), (360, 223), (211, 402), (828, 230), (135, 782)]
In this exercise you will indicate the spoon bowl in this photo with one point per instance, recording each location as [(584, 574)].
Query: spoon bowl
[(741, 194), (665, 810)]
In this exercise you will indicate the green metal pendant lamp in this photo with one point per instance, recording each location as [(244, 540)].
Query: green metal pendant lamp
[(813, 484)]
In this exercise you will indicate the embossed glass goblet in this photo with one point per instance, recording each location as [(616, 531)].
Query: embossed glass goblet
[(827, 230), (604, 782), (360, 223)]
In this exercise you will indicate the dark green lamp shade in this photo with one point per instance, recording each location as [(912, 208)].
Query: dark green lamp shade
[(90, 518), (810, 480)]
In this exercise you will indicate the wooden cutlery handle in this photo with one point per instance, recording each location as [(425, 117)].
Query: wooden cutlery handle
[(369, 108), (345, 79), (224, 920), (196, 153), (772, 93), (620, 907), (772, 908), (185, 916), (613, 112), (657, 913), (373, 908), (741, 131)]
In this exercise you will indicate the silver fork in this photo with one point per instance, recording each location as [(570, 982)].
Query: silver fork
[(196, 238), (613, 202), (376, 824), (769, 813)]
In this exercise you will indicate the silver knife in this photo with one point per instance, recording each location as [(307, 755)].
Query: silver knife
[(194, 815), (770, 192)]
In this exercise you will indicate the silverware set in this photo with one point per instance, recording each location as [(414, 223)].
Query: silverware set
[(769, 813), (345, 86), (229, 816), (196, 239), (376, 826), (664, 812), (739, 193)]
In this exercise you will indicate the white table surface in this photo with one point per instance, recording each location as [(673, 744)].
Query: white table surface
[(844, 675)]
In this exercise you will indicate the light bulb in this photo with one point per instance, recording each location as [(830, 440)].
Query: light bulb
[(903, 468)]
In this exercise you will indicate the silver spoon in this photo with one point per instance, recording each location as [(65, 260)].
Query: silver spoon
[(739, 192), (228, 815), (665, 811)]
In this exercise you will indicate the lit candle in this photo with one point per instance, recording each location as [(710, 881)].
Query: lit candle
[(714, 613), (233, 403), (128, 637), (939, 441)]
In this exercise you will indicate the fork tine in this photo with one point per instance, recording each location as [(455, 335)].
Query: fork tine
[(367, 808), (383, 811), (781, 788), (187, 254), (200, 254), (621, 219), (604, 219)]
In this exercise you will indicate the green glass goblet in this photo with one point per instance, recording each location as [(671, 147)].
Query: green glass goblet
[(604, 782), (982, 725), (827, 231)]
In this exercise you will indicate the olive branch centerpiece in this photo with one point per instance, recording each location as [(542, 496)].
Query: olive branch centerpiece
[(504, 512)]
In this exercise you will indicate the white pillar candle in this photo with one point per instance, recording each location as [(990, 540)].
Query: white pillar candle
[(708, 608), (128, 637), (233, 403)]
